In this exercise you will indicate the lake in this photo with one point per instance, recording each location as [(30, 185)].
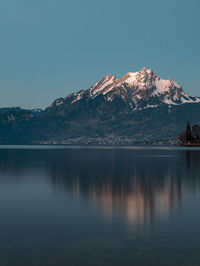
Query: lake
[(99, 206)]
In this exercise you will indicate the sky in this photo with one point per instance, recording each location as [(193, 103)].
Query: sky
[(51, 48)]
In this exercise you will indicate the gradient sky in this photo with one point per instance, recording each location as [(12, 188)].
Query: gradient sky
[(50, 48)]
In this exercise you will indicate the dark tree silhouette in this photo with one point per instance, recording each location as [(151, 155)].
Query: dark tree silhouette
[(188, 132), (190, 136), (182, 137), (196, 132)]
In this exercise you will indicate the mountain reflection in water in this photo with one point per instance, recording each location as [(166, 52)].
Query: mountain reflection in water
[(139, 184)]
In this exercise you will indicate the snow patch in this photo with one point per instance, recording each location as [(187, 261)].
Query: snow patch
[(78, 97), (147, 106), (59, 102), (131, 77), (162, 85), (108, 80)]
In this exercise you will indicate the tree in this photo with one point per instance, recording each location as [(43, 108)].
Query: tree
[(188, 132), (182, 137), (196, 132)]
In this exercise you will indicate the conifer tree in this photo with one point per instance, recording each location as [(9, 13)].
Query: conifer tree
[(188, 132)]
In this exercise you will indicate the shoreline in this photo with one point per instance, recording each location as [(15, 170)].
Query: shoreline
[(191, 145)]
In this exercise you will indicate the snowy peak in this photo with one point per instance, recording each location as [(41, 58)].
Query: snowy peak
[(131, 79), (147, 79), (103, 84), (143, 78), (138, 90)]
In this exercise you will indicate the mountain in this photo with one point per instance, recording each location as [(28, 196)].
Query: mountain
[(137, 90), (18, 109), (139, 107), (8, 109)]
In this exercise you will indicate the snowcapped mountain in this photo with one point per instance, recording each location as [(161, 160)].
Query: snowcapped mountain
[(132, 108), (138, 90)]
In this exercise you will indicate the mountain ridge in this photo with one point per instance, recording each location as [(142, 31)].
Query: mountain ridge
[(139, 106), (134, 91)]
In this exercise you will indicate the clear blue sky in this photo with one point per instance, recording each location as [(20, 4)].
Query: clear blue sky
[(50, 48)]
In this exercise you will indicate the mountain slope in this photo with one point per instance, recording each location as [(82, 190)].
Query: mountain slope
[(139, 107), (143, 89)]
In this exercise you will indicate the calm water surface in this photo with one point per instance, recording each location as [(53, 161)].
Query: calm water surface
[(99, 206)]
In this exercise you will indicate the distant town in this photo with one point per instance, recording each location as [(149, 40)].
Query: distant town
[(111, 140)]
